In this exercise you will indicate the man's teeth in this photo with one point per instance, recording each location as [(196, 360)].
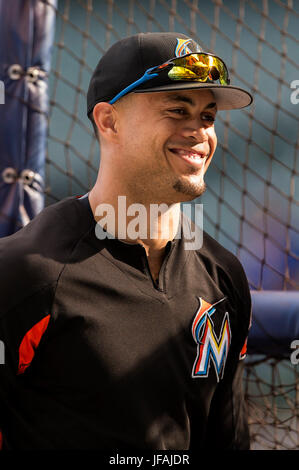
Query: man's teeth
[(193, 156)]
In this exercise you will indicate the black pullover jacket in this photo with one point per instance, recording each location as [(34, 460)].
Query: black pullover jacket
[(100, 356)]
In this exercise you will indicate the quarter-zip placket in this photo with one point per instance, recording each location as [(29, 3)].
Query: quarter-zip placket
[(160, 287)]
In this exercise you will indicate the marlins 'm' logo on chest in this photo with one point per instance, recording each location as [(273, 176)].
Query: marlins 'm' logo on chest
[(212, 346)]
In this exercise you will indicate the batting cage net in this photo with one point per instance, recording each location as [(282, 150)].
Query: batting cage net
[(251, 196), (251, 202), (272, 396)]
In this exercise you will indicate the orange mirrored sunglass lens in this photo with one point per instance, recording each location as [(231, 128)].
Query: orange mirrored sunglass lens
[(200, 67)]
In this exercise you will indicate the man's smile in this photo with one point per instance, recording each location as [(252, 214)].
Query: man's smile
[(190, 156)]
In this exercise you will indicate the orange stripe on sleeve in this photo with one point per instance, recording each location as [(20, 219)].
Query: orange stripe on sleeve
[(30, 342), (243, 351)]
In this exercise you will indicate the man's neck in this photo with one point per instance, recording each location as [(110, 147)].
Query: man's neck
[(152, 225)]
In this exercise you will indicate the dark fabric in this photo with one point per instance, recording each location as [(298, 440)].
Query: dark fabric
[(115, 366)]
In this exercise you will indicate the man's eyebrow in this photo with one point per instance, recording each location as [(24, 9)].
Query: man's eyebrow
[(187, 99), (211, 105)]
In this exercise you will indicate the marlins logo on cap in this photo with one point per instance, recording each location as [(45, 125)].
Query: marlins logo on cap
[(182, 47)]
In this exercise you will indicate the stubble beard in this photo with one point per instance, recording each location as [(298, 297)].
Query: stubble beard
[(184, 188), (189, 188)]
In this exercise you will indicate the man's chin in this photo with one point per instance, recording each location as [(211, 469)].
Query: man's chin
[(189, 190)]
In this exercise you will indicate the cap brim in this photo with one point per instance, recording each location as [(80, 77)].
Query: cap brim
[(226, 96)]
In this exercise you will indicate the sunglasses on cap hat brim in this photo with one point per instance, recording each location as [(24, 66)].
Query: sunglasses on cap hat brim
[(192, 67)]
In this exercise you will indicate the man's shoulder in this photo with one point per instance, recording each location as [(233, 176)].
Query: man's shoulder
[(218, 254), (207, 247), (32, 258), (54, 228), (225, 268)]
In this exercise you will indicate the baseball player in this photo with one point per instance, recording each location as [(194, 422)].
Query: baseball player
[(121, 341)]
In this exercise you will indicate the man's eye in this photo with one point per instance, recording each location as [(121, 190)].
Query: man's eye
[(208, 117), (178, 111)]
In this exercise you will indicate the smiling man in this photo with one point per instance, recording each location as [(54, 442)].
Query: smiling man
[(161, 145), (127, 343), (174, 144)]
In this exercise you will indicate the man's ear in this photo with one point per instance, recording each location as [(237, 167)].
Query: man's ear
[(104, 115)]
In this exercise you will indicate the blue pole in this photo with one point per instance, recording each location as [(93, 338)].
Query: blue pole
[(26, 39)]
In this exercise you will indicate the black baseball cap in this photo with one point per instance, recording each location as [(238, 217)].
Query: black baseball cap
[(128, 59)]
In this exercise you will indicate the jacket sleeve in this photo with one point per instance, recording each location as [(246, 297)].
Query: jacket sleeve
[(228, 420), (22, 329), (25, 308)]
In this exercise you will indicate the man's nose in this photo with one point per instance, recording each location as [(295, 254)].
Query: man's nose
[(195, 130)]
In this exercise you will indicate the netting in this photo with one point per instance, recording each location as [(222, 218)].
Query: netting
[(252, 186), (272, 396), (252, 194)]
